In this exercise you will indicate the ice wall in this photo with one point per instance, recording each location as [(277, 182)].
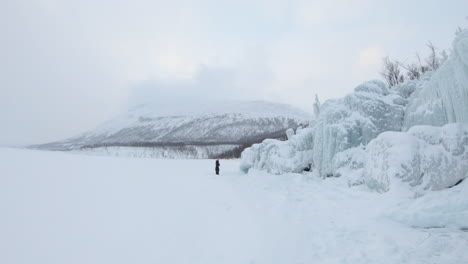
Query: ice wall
[(443, 99), (343, 123), (428, 158), (336, 142), (355, 120), (279, 157)]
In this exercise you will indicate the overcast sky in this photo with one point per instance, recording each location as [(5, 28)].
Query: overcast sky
[(66, 66)]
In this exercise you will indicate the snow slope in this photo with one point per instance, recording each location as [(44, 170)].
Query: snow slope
[(195, 125), (68, 208)]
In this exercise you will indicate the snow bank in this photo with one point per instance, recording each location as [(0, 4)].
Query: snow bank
[(354, 120), (279, 157), (443, 99), (447, 208), (428, 158)]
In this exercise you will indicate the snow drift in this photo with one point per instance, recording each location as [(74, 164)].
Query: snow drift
[(446, 208)]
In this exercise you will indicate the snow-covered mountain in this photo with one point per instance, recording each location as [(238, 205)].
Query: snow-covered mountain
[(198, 130)]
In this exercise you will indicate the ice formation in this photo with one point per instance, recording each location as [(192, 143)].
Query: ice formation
[(444, 98), (316, 107), (359, 136), (279, 157), (354, 120), (429, 158), (350, 164), (344, 123)]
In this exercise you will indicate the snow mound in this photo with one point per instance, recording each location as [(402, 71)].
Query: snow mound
[(447, 208), (444, 98), (428, 158), (279, 157), (354, 120)]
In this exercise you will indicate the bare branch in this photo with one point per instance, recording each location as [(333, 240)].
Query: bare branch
[(391, 72), (433, 60)]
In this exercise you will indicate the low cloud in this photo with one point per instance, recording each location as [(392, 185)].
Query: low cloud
[(69, 65)]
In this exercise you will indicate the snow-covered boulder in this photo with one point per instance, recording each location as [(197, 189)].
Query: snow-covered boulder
[(355, 120), (444, 98), (279, 157), (428, 158)]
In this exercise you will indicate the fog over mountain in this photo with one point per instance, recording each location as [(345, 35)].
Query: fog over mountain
[(191, 130)]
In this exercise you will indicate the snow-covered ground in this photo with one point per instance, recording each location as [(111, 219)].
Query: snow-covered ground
[(70, 208)]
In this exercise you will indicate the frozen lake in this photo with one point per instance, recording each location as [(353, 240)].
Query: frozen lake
[(69, 208)]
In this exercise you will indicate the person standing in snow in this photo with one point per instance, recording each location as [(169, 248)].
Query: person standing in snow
[(217, 167)]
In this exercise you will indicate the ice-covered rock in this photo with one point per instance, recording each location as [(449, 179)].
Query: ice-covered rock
[(428, 158), (279, 157), (444, 98), (354, 120)]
